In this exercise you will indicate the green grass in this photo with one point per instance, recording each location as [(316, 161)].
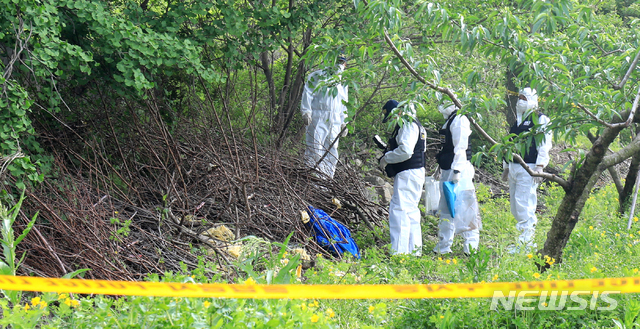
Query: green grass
[(599, 247)]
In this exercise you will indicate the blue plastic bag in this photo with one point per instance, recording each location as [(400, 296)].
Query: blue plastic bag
[(330, 234), (450, 196)]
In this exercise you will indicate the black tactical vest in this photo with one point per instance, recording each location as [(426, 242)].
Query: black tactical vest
[(446, 154), (526, 125), (417, 158)]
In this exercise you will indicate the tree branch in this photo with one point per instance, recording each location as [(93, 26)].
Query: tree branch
[(612, 170), (609, 125), (625, 153), (600, 121), (626, 76)]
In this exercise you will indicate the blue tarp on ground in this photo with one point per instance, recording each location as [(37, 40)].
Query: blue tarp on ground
[(330, 234)]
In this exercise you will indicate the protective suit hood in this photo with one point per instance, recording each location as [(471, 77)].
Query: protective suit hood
[(446, 110), (531, 103)]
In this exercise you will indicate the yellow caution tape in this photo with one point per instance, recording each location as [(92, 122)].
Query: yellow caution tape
[(167, 289)]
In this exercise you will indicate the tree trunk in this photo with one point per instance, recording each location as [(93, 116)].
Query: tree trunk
[(292, 101), (511, 99), (630, 180), (612, 170), (286, 86), (576, 194), (268, 74)]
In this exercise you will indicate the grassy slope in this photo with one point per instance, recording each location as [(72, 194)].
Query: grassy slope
[(599, 247)]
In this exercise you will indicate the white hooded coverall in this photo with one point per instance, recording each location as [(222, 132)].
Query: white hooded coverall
[(522, 187), (404, 214), (327, 116), (467, 220)]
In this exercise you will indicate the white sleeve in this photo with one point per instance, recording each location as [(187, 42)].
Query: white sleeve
[(460, 131), (345, 97), (545, 146), (407, 138), (307, 93)]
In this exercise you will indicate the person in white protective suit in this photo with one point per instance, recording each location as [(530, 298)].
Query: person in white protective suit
[(522, 186), (453, 160), (404, 160), (324, 116)]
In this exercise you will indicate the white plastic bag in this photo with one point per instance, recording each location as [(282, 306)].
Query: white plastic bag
[(467, 213), (431, 195)]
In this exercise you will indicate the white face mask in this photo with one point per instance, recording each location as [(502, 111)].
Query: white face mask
[(522, 106)]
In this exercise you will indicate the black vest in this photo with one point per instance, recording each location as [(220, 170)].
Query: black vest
[(446, 154), (417, 158), (526, 125)]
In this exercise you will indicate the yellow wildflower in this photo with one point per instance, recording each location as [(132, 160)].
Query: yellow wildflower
[(448, 261), (315, 318), (299, 271), (440, 258), (35, 301), (315, 303), (371, 308), (206, 304), (591, 227), (635, 218), (303, 306), (536, 275), (529, 256), (495, 277), (26, 307), (544, 304), (455, 261), (631, 236), (442, 317), (62, 296), (250, 281), (635, 270), (331, 313), (617, 235), (593, 269)]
